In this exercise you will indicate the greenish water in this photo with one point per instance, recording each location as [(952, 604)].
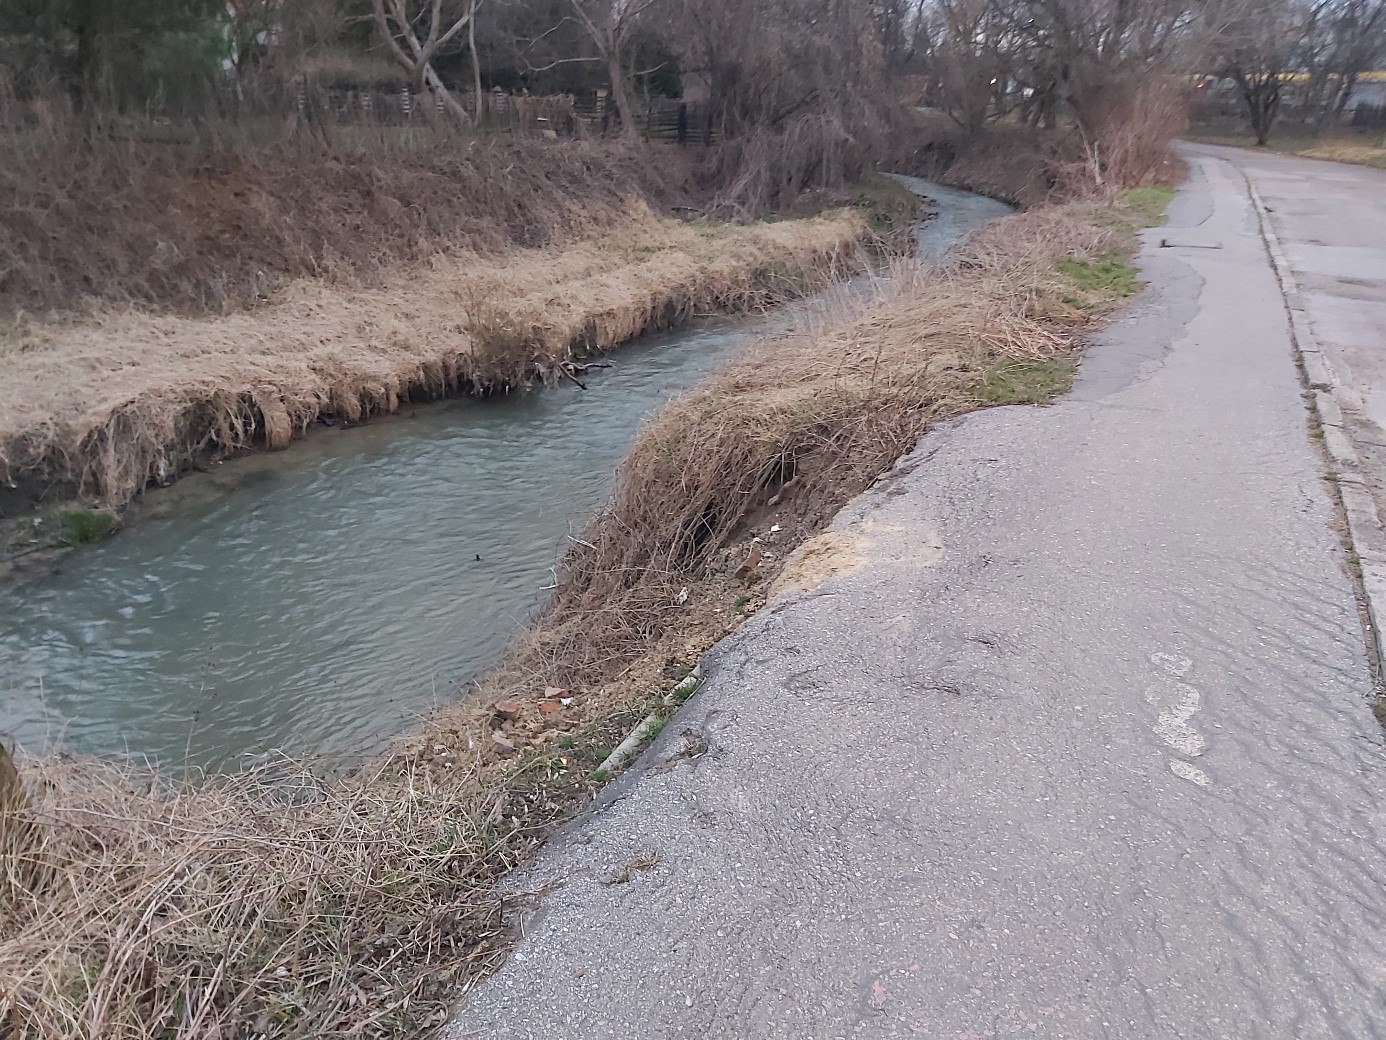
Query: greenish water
[(320, 598)]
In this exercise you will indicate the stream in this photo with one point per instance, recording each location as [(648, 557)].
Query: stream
[(319, 599)]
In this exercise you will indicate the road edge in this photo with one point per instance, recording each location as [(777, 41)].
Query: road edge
[(1327, 399)]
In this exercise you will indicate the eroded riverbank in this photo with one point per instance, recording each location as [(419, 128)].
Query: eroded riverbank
[(319, 600)]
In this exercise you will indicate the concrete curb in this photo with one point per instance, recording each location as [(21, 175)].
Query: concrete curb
[(629, 749), (1328, 399)]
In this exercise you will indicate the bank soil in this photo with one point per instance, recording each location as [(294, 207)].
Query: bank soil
[(294, 903)]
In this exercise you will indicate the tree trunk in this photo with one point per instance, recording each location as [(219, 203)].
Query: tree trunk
[(617, 75), (1262, 98), (88, 54), (436, 87), (476, 63)]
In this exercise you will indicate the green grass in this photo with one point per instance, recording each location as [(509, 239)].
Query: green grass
[(1148, 204), (1026, 380), (1111, 275), (84, 526)]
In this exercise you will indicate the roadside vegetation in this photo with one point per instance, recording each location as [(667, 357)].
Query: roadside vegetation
[(1366, 148)]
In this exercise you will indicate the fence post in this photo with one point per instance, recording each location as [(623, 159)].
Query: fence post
[(683, 122), (14, 807)]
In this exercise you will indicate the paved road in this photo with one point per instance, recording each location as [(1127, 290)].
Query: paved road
[(1082, 750), (1331, 221)]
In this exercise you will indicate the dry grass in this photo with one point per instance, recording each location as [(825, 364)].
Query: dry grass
[(135, 906), (1359, 153), (198, 227), (290, 905), (104, 404)]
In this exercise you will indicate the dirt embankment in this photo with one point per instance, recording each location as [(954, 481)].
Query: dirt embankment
[(137, 906)]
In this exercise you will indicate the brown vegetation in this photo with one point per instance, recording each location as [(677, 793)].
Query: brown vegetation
[(292, 905), (117, 220), (104, 404)]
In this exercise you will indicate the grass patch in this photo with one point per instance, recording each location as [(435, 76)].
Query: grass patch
[(1148, 203), (84, 526), (1026, 380), (1110, 275)]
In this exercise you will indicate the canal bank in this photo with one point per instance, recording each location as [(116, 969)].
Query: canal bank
[(1074, 743)]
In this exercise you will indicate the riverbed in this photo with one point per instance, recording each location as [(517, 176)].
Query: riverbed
[(319, 599)]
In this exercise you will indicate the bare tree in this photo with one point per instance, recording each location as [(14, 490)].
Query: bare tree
[(1343, 39), (1092, 54), (964, 44), (1260, 42), (415, 31), (611, 25)]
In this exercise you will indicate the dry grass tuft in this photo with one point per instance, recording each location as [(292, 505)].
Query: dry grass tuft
[(272, 905), (106, 404)]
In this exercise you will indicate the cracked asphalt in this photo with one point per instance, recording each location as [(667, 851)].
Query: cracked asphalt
[(1082, 750)]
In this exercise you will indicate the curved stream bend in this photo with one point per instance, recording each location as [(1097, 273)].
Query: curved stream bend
[(349, 583)]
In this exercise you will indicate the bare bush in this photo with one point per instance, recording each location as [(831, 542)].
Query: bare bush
[(798, 96)]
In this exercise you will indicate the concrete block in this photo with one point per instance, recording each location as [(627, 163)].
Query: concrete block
[(1320, 375), (1340, 448), (1329, 412)]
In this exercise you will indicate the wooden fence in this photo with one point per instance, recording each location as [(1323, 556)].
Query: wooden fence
[(561, 115)]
